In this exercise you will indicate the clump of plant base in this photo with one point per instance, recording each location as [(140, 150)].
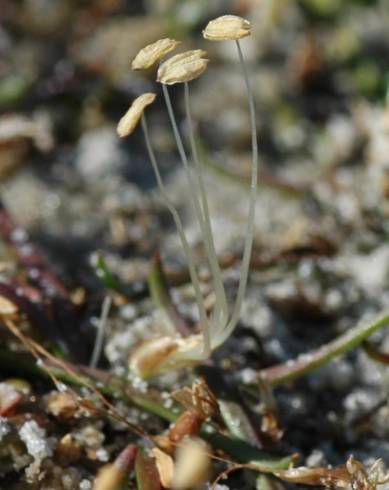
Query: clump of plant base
[(173, 351)]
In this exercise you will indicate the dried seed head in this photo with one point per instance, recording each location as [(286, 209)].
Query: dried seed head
[(183, 67), (150, 356), (162, 354), (128, 122), (227, 27), (192, 464), (153, 52)]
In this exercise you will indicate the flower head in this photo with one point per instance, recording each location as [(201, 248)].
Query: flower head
[(152, 53), (227, 27), (183, 67), (128, 122)]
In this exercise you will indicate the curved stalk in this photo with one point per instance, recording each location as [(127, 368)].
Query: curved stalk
[(184, 159), (187, 251), (249, 235), (306, 363), (221, 308), (101, 327), (191, 182)]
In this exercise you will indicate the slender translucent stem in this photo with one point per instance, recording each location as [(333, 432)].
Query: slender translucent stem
[(191, 181), (183, 156), (187, 251), (306, 363), (249, 235), (221, 309), (101, 327)]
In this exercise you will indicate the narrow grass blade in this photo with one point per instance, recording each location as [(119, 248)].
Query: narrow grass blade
[(249, 455), (110, 281), (159, 292), (305, 363)]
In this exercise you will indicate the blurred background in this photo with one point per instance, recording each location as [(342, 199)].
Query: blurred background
[(320, 74), (319, 70)]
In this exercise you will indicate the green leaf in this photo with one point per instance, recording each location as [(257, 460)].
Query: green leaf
[(305, 363)]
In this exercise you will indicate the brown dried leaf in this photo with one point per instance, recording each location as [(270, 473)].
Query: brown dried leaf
[(164, 443), (269, 412), (350, 475), (187, 425), (198, 399), (10, 398), (165, 466), (329, 477)]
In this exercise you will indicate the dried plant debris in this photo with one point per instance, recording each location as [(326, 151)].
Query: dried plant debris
[(113, 475), (198, 399), (165, 467), (18, 135), (351, 475)]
